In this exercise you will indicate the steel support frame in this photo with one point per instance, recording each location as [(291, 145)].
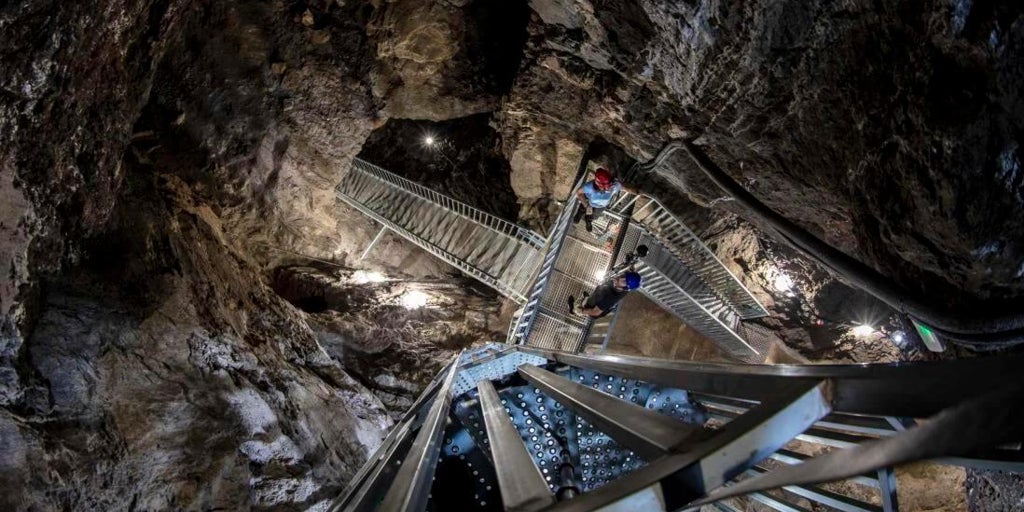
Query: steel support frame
[(683, 477), (373, 243), (827, 498), (366, 487), (908, 389), (648, 433), (975, 424), (411, 485), (887, 487), (522, 486)]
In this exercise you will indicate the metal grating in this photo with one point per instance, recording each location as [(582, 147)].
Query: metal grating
[(553, 434), (555, 333), (493, 370), (691, 250), (492, 250), (601, 458)]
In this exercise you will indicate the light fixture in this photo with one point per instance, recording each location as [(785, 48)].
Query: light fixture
[(599, 274), (863, 331), (414, 299), (364, 277), (898, 337), (428, 140), (783, 283)]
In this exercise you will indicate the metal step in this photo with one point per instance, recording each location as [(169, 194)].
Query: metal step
[(495, 251), (531, 430)]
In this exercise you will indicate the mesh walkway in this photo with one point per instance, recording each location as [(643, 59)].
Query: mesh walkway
[(677, 289), (677, 238), (575, 262), (494, 251)]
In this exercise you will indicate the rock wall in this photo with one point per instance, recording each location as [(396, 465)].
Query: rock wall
[(890, 130), (160, 158), (163, 374)]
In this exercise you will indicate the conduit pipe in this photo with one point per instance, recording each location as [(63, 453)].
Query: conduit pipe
[(989, 331)]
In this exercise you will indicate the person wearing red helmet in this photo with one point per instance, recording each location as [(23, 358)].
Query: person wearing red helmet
[(595, 195)]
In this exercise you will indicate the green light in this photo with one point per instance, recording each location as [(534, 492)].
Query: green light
[(931, 340)]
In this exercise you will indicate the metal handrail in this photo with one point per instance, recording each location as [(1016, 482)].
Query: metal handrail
[(715, 320), (448, 257), (469, 212), (717, 270), (550, 254)]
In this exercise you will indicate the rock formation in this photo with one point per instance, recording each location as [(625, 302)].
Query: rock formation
[(180, 327)]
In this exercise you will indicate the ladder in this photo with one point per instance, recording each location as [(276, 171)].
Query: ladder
[(516, 428), (496, 252)]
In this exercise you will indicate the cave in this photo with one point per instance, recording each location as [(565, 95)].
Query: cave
[(243, 241)]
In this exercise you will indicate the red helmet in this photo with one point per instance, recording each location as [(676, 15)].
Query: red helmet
[(603, 178)]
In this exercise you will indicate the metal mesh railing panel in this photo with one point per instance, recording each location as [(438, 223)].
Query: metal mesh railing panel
[(692, 251), (492, 250)]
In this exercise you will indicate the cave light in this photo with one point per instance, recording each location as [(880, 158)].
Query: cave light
[(364, 277), (414, 299), (898, 337), (429, 140), (863, 331), (783, 283)]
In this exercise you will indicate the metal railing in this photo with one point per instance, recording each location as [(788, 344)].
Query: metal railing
[(692, 251), (526, 320), (498, 253), (578, 433), (476, 215)]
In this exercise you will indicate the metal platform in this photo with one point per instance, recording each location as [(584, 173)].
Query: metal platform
[(539, 430), (492, 250), (682, 275)]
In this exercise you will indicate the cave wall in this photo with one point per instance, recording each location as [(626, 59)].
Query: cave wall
[(889, 129), (158, 157)]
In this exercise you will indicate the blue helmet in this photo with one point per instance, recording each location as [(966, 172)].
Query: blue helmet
[(633, 280)]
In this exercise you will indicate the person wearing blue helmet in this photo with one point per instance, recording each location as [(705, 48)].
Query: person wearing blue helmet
[(606, 296)]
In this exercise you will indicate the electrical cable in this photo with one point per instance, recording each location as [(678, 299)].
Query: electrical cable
[(986, 332)]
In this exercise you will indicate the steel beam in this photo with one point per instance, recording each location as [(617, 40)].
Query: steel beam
[(775, 503), (731, 451), (903, 389), (373, 243), (792, 458), (887, 486), (859, 425), (411, 485), (974, 425), (367, 486), (522, 486), (648, 433), (827, 498)]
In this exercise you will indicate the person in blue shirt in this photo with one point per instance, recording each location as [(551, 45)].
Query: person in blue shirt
[(607, 296), (595, 195)]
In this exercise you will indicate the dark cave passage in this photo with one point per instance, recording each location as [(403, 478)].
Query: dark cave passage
[(460, 157)]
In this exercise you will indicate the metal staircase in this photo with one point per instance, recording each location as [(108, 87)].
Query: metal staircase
[(520, 429), (575, 262), (492, 250), (681, 274)]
